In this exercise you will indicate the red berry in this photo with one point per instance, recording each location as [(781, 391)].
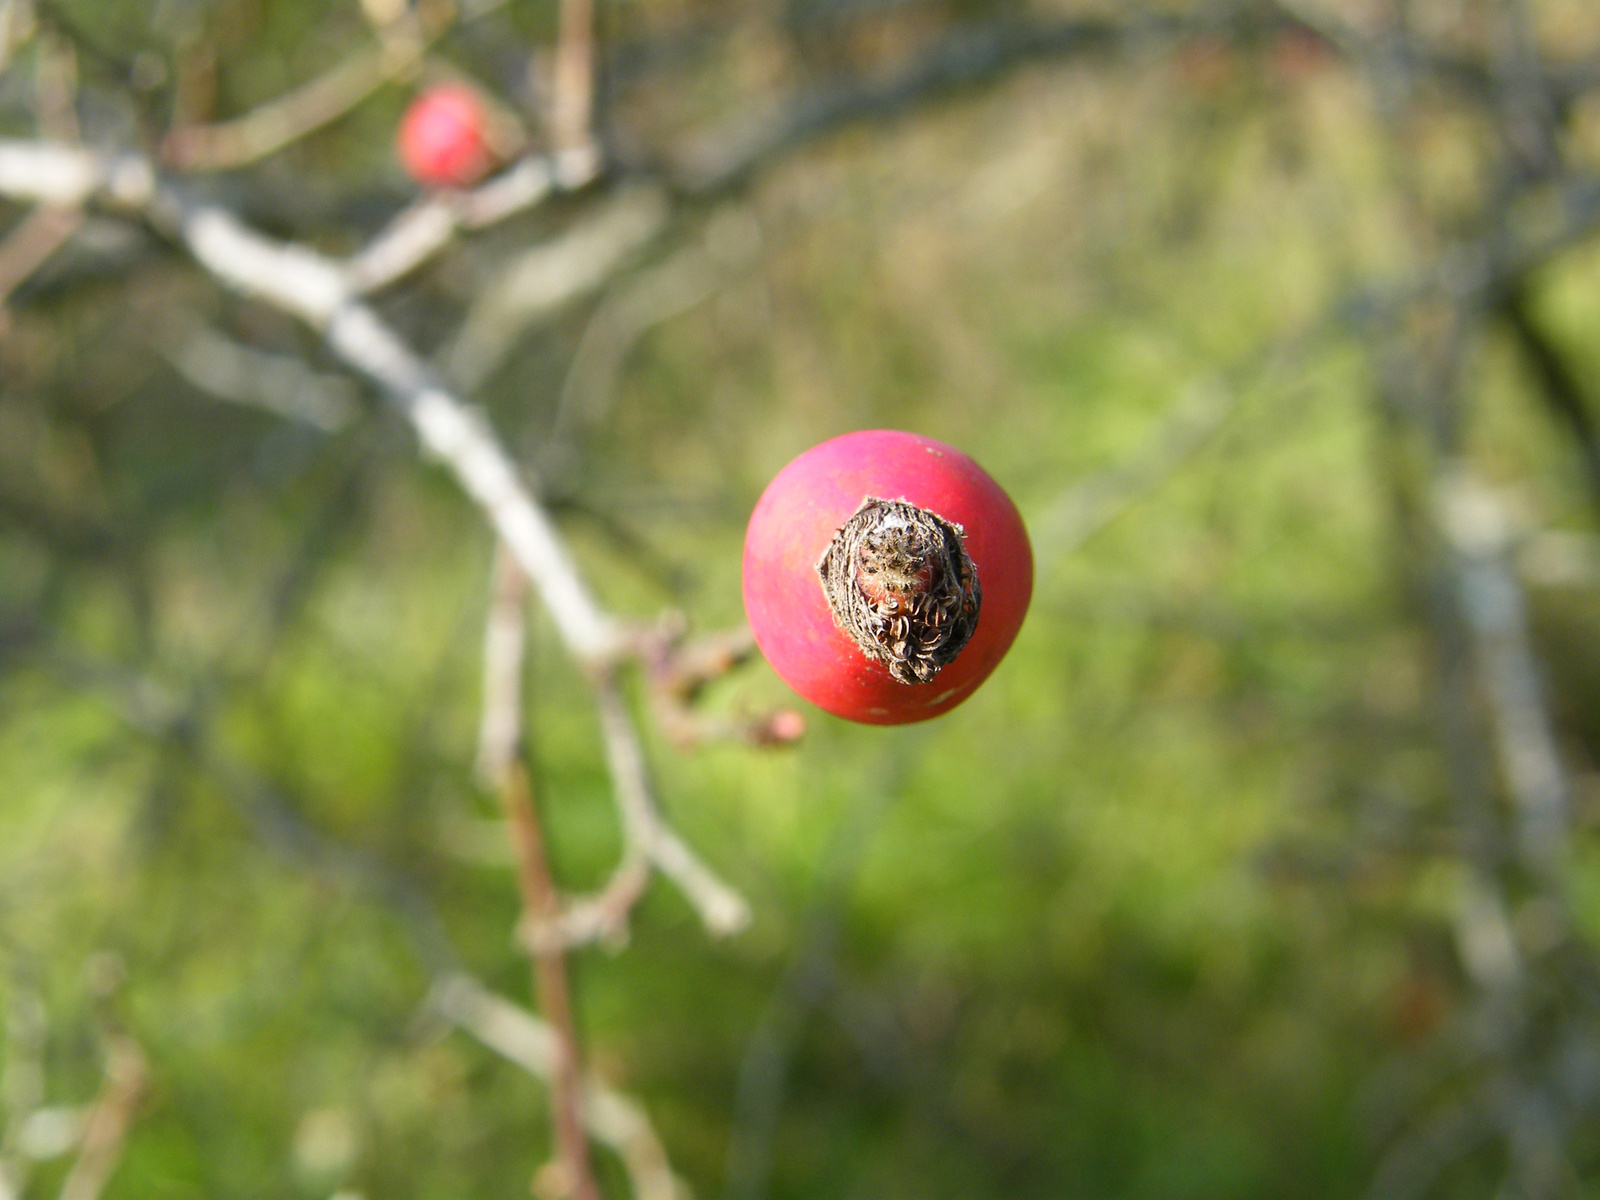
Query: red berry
[(885, 576), (443, 140)]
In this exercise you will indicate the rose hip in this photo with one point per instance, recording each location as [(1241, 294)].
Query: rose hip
[(443, 139), (885, 576)]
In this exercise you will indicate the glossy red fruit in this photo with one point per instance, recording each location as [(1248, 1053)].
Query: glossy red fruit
[(795, 524), (443, 140)]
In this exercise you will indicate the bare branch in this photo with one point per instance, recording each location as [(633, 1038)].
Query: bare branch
[(32, 241), (425, 228), (1478, 529), (281, 384), (500, 730), (313, 287), (109, 1119), (573, 101), (403, 41), (612, 1119), (278, 123), (676, 671), (544, 278), (54, 173), (550, 984), (646, 839), (721, 908), (418, 233), (599, 917), (306, 109), (464, 441)]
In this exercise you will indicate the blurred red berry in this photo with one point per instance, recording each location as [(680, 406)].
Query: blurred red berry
[(443, 140), (885, 576)]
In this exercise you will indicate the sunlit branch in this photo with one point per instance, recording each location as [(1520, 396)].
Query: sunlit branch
[(429, 225), (32, 241), (612, 1119), (504, 639), (315, 289), (1491, 600), (106, 1130)]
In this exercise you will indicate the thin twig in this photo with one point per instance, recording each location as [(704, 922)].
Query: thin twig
[(427, 226), (540, 280), (1479, 531), (281, 384), (647, 839), (280, 122), (500, 762), (677, 669), (721, 908), (32, 241), (107, 1127), (572, 104), (314, 288), (613, 1119), (550, 984), (504, 636)]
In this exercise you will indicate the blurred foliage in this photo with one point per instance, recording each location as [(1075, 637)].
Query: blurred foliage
[(1164, 911)]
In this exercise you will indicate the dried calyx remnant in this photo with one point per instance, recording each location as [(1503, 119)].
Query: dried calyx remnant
[(900, 584)]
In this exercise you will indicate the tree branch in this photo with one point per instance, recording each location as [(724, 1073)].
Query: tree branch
[(307, 108), (109, 1119), (550, 985), (613, 1119)]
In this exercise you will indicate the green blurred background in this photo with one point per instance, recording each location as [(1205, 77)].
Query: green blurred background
[(1167, 910)]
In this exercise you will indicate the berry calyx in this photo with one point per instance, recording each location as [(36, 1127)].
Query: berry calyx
[(443, 139), (899, 582), (885, 576)]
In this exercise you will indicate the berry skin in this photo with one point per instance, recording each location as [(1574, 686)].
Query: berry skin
[(885, 576), (443, 139)]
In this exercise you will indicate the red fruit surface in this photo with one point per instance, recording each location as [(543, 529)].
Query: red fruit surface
[(795, 520), (443, 137)]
